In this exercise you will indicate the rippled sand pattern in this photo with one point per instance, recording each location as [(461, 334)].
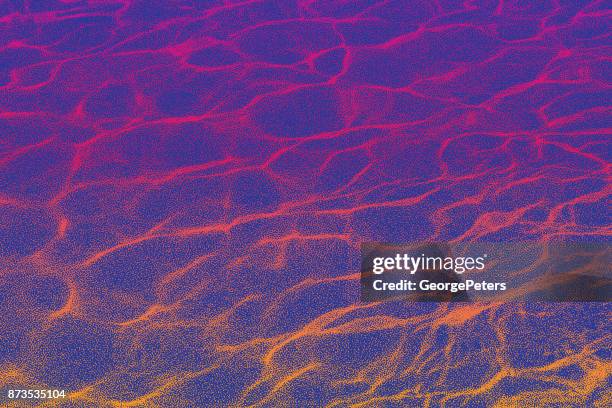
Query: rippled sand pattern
[(184, 186)]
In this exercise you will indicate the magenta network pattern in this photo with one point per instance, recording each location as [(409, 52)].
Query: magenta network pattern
[(184, 186)]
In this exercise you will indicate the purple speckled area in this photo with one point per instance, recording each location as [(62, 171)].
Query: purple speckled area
[(185, 185)]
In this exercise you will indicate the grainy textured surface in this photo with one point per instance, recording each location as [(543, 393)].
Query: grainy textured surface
[(184, 186)]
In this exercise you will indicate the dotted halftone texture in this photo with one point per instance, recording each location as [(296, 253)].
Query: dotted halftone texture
[(184, 186)]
